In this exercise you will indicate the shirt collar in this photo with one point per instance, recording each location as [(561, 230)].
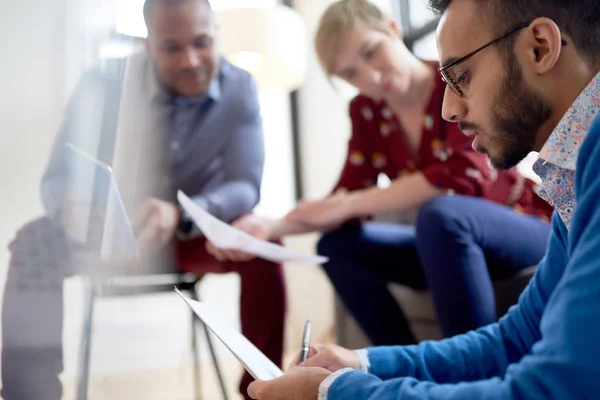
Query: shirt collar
[(563, 145), (558, 157)]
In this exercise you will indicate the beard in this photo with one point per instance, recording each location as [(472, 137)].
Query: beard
[(517, 117)]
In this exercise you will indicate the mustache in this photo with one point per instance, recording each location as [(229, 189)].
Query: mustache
[(193, 71), (463, 126)]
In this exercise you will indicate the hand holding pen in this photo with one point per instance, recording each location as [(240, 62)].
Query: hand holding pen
[(305, 346)]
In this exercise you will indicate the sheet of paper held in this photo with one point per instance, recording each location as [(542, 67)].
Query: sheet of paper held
[(255, 362), (227, 237)]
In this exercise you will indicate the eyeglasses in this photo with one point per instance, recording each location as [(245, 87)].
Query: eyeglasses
[(446, 70)]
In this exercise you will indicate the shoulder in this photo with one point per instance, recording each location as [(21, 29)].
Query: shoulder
[(105, 75), (233, 77), (237, 85)]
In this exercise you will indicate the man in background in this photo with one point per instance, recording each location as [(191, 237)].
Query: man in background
[(178, 117)]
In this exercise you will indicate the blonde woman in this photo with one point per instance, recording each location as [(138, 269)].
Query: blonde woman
[(468, 212)]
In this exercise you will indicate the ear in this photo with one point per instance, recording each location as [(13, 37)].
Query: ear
[(395, 28), (543, 45)]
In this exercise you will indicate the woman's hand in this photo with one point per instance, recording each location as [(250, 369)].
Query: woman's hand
[(325, 214)]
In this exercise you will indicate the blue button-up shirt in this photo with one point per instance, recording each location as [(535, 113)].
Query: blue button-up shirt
[(215, 156)]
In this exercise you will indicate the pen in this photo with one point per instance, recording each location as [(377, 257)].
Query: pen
[(305, 341)]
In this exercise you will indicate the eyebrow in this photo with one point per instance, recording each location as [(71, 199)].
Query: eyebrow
[(449, 60), (361, 49), (344, 72), (169, 42)]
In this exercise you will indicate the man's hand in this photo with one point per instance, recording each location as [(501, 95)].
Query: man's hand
[(298, 384), (325, 214), (331, 357), (159, 220), (260, 228)]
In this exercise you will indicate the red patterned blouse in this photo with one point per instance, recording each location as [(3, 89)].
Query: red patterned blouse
[(444, 156)]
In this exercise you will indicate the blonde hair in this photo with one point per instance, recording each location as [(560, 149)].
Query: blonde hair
[(338, 19)]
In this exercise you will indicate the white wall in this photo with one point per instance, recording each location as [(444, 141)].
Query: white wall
[(33, 94), (324, 121), (32, 82), (45, 45)]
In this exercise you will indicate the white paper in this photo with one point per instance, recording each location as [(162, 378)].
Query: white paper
[(227, 237), (255, 362)]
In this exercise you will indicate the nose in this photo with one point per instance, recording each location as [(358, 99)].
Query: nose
[(453, 107), (375, 77), (190, 58)]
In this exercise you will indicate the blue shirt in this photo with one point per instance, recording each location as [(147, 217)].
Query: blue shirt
[(121, 113), (546, 347)]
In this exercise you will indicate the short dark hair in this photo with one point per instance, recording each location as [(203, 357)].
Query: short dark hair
[(577, 18), (149, 5)]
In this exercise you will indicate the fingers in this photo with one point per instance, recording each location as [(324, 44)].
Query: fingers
[(322, 359), (296, 360), (141, 223), (154, 233), (155, 223), (255, 388), (216, 252), (165, 235), (227, 255), (315, 352), (213, 250), (144, 212), (236, 256), (150, 232), (240, 256)]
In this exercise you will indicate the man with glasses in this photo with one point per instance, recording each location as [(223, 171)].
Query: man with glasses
[(522, 77), (182, 117)]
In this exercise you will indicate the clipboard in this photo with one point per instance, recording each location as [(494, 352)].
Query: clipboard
[(253, 360)]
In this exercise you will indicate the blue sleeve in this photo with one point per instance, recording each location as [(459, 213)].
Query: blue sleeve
[(562, 363), (81, 125), (244, 161)]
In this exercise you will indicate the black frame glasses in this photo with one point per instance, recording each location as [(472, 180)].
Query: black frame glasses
[(452, 82)]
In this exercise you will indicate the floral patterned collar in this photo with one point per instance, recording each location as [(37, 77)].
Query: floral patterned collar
[(558, 158)]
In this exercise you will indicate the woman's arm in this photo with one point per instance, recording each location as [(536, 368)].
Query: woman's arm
[(405, 193)]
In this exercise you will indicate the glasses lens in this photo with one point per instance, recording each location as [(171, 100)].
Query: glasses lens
[(451, 83)]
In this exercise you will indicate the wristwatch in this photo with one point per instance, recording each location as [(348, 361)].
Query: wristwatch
[(185, 224)]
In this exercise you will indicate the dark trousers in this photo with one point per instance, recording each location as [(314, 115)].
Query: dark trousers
[(459, 245), (32, 315)]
